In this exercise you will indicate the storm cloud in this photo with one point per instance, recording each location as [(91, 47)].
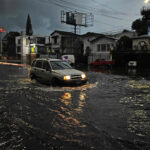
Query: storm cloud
[(45, 14)]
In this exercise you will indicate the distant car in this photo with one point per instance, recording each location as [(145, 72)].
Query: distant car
[(69, 58), (99, 62), (56, 71)]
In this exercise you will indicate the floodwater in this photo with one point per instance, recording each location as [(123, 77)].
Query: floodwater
[(110, 112)]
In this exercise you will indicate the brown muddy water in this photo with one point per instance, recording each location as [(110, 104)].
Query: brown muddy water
[(110, 112)]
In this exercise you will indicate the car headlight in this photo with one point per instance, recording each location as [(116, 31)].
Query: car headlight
[(83, 76), (67, 77)]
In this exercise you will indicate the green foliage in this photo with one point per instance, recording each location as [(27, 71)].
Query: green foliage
[(141, 24), (124, 43)]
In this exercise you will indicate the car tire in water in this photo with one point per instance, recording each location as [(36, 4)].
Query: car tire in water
[(32, 76)]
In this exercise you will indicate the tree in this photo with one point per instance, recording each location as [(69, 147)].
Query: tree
[(124, 43), (29, 26), (141, 24)]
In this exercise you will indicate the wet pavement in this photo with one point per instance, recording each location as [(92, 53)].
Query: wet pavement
[(110, 112)]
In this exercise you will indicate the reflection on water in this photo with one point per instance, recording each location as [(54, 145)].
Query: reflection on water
[(132, 72), (138, 84), (66, 98), (137, 105), (138, 122), (68, 117)]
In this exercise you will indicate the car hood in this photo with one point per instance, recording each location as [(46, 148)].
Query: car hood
[(69, 72)]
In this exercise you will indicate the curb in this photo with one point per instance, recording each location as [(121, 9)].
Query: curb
[(13, 64)]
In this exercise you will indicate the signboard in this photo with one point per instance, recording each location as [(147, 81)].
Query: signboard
[(70, 18), (33, 49), (79, 18)]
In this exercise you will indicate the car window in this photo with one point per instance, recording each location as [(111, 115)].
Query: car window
[(33, 63), (46, 65), (38, 64), (59, 65)]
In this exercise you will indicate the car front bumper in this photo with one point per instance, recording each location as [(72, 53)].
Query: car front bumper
[(76, 82)]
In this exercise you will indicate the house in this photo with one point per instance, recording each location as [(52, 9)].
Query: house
[(98, 46), (86, 39), (140, 52), (101, 48), (65, 43), (9, 45)]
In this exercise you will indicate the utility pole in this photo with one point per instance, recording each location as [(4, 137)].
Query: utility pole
[(1, 31)]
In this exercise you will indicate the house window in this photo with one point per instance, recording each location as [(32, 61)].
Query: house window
[(98, 48), (38, 64), (19, 41), (18, 49), (108, 47), (40, 40), (103, 47)]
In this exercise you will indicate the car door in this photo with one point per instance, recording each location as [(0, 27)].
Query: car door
[(38, 69), (46, 75)]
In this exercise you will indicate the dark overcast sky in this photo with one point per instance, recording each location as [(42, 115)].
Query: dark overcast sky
[(109, 15)]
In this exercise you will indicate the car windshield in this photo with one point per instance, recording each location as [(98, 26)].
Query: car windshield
[(60, 65)]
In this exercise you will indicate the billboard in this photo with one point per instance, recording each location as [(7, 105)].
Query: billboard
[(77, 18), (70, 18)]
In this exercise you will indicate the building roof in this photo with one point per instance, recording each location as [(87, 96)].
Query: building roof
[(125, 31), (141, 37), (11, 34), (91, 34), (102, 36), (64, 33)]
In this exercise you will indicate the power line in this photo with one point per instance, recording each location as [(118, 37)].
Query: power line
[(70, 6), (77, 6)]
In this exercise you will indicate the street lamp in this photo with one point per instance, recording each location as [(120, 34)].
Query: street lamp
[(146, 1)]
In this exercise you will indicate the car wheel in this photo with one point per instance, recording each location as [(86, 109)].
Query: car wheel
[(32, 76)]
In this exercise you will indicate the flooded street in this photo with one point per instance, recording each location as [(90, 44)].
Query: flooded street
[(110, 112)]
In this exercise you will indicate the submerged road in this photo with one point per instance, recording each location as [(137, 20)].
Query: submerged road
[(110, 112)]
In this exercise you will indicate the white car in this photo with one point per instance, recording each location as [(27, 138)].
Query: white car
[(56, 71)]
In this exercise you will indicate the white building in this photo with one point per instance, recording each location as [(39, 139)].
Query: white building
[(101, 48), (98, 46), (25, 45)]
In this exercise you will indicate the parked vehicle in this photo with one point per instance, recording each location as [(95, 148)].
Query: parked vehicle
[(69, 58), (56, 71), (99, 62)]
